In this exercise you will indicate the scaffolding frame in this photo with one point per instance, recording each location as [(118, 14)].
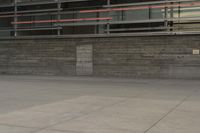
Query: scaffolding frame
[(58, 23)]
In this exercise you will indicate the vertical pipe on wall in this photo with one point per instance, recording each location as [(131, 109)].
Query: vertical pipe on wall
[(97, 26), (179, 15), (171, 16), (150, 15), (108, 24), (15, 18), (58, 16), (166, 16)]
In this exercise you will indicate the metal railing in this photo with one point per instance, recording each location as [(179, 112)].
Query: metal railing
[(87, 17)]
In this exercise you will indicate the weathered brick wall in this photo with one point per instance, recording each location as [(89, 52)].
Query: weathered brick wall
[(141, 57), (38, 57), (160, 57)]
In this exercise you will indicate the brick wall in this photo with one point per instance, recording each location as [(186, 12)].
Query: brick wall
[(140, 57), (39, 57), (160, 57)]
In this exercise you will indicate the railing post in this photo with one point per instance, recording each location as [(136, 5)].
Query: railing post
[(58, 16), (166, 17), (179, 16), (108, 24), (15, 18)]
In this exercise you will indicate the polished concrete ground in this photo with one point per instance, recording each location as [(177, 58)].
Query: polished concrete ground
[(31, 104)]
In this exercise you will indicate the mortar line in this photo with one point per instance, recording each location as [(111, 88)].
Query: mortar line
[(170, 111)]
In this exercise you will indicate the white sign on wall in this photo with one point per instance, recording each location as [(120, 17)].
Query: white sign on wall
[(196, 52)]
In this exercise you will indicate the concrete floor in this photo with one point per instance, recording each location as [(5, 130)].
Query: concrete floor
[(31, 104)]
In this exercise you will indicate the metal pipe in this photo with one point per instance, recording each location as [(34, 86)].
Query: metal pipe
[(141, 7), (61, 20), (15, 18), (118, 9)]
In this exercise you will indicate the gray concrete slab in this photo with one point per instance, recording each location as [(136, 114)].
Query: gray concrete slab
[(53, 131), (13, 129), (50, 114), (132, 115), (31, 104), (178, 122)]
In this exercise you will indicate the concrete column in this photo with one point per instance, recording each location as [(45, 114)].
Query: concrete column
[(84, 60)]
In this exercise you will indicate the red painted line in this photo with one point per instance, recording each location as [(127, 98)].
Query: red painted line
[(62, 20), (128, 8), (141, 7)]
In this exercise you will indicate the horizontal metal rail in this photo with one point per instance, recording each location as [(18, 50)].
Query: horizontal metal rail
[(67, 1), (32, 11), (142, 7), (32, 29), (106, 18), (62, 20), (19, 13), (139, 29), (112, 30), (170, 19), (104, 35), (150, 3)]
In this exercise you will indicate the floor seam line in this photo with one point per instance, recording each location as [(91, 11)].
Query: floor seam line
[(124, 100), (66, 131), (170, 111), (12, 125)]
